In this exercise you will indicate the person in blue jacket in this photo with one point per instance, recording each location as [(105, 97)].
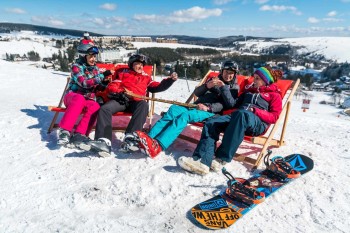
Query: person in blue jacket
[(214, 96)]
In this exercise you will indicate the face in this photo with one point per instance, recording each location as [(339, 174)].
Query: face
[(91, 59), (258, 82), (137, 67), (228, 75)]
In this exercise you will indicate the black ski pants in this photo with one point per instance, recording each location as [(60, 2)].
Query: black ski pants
[(139, 110)]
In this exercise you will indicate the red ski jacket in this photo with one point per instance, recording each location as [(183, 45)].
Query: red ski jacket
[(141, 83)]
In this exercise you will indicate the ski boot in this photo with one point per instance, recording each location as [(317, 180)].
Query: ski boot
[(240, 192), (279, 168), (129, 144)]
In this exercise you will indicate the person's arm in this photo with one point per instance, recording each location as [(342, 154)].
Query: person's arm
[(215, 107), (209, 85), (154, 86), (275, 110), (86, 81), (228, 98)]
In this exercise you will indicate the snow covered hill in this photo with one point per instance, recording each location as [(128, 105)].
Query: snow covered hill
[(45, 188), (330, 47)]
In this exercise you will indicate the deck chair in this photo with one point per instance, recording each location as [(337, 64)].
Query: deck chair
[(288, 88), (117, 69)]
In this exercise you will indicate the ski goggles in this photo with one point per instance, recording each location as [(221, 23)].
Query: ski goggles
[(230, 66), (141, 58), (93, 50)]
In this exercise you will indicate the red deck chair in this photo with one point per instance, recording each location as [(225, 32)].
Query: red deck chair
[(288, 88), (103, 67)]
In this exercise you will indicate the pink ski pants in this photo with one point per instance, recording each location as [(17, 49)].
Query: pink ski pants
[(77, 104)]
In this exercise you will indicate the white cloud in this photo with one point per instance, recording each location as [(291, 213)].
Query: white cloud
[(313, 20), (55, 22), (118, 20), (50, 21), (335, 20), (98, 21), (332, 14), (316, 20), (276, 8), (221, 2), (261, 1), (181, 16), (15, 10), (108, 6)]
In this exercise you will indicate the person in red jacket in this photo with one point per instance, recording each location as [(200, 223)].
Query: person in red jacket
[(258, 107), (137, 81)]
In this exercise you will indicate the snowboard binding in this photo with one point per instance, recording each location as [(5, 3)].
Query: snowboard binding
[(243, 193), (279, 168)]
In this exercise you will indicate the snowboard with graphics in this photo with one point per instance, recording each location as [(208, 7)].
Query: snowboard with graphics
[(222, 211)]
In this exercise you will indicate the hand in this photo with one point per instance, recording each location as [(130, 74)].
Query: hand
[(213, 82), (174, 76), (202, 107), (220, 83), (106, 80), (107, 73)]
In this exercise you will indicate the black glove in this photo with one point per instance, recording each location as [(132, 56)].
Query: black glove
[(106, 80), (107, 73), (121, 98)]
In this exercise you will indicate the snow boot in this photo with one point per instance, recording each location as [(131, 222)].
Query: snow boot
[(129, 144), (80, 141), (102, 146), (217, 164), (148, 145), (63, 137), (194, 166)]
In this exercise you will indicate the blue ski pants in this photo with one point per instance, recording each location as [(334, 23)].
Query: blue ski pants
[(235, 126), (174, 121)]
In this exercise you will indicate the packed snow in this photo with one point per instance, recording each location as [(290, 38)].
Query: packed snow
[(45, 188)]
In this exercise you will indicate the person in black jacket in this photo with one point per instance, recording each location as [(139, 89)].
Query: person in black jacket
[(214, 96)]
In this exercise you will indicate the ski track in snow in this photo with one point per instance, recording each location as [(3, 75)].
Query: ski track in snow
[(49, 189)]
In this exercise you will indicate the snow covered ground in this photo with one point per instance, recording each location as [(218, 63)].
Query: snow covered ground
[(45, 188)]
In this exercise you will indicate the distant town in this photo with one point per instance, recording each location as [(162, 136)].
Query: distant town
[(314, 70)]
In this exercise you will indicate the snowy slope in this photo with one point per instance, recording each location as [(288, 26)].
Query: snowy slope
[(49, 189)]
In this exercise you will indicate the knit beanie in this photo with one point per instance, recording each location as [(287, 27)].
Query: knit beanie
[(265, 74)]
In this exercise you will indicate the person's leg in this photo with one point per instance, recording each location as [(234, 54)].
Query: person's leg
[(87, 121), (75, 104), (242, 121), (212, 128), (139, 111), (104, 119), (178, 124), (167, 118)]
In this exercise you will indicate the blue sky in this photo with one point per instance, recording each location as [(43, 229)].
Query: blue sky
[(204, 18)]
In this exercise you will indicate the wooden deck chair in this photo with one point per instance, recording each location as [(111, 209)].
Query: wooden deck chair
[(117, 68), (288, 88)]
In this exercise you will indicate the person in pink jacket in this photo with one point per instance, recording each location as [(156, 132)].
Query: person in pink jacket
[(80, 97), (258, 107)]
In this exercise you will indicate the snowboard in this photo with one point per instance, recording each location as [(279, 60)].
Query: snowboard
[(222, 211)]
